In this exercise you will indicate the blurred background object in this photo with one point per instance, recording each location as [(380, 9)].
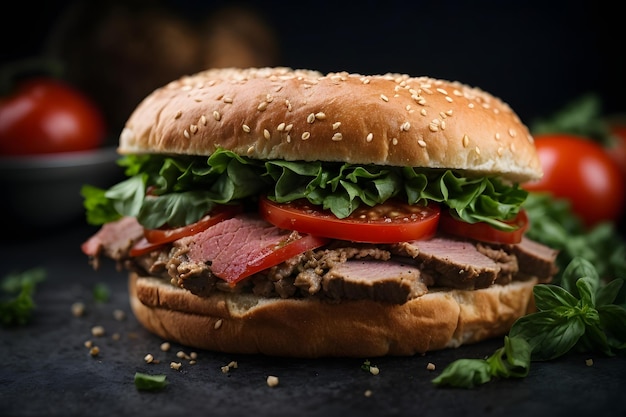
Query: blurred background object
[(537, 56)]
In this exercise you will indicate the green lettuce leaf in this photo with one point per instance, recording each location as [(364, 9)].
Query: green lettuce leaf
[(167, 190)]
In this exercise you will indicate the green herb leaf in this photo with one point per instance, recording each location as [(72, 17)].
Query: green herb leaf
[(101, 292), (148, 382), (179, 190), (510, 361), (16, 297)]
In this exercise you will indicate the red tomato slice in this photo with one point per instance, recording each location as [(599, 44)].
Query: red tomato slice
[(166, 235), (483, 231), (143, 247), (274, 255), (391, 222)]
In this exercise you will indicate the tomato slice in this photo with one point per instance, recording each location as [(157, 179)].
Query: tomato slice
[(273, 255), (142, 247), (166, 235), (391, 222), (484, 231)]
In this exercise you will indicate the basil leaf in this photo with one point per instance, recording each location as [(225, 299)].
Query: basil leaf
[(150, 382), (548, 297), (549, 334), (613, 321), (511, 360), (464, 373), (579, 268)]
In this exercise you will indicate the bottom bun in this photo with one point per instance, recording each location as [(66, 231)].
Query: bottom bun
[(310, 328)]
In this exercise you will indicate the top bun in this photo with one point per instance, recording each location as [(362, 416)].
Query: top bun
[(280, 113)]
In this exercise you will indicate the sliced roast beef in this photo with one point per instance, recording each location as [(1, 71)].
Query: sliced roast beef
[(233, 244), (113, 240), (535, 259), (391, 282), (340, 270), (451, 262)]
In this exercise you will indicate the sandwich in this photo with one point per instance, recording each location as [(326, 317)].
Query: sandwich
[(293, 213)]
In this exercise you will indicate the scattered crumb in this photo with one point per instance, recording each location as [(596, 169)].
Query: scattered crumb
[(78, 309), (430, 366), (175, 365), (148, 358), (374, 370), (165, 346), (272, 381), (231, 365), (88, 344), (94, 351), (368, 393), (182, 355), (97, 331), (119, 315), (116, 336), (589, 362)]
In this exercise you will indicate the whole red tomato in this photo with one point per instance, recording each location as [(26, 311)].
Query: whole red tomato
[(581, 171), (44, 115)]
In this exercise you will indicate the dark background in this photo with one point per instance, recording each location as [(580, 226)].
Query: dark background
[(535, 55)]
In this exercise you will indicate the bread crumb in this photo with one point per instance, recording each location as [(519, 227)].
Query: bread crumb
[(116, 336), (148, 358), (78, 309), (175, 365), (88, 344), (165, 346), (94, 351), (430, 366), (119, 315), (97, 331), (374, 370), (589, 362), (368, 393), (272, 381)]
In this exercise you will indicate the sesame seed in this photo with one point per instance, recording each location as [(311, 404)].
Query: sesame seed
[(320, 116), (369, 137), (266, 134), (250, 150), (178, 114), (423, 112), (203, 120), (394, 141), (512, 146), (288, 138), (245, 128), (281, 127), (337, 137), (269, 98), (449, 112), (443, 125), (449, 99), (384, 97), (421, 143), (465, 141), (336, 125), (442, 91), (310, 118), (405, 126), (288, 104), (262, 106), (217, 116), (228, 100), (288, 127), (477, 150), (497, 136), (512, 132), (218, 324), (186, 134), (193, 128), (500, 151), (306, 135), (470, 105)]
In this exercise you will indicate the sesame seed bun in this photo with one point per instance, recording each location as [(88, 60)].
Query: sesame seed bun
[(280, 113), (311, 328)]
